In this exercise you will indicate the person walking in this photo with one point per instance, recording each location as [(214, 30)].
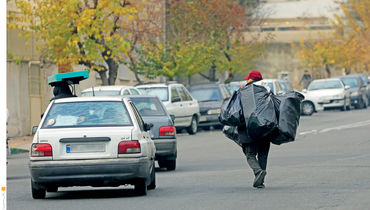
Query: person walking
[(256, 152)]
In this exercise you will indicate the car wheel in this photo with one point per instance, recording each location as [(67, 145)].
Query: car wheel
[(193, 128), (38, 191), (360, 104), (140, 187), (152, 185), (171, 165), (307, 108)]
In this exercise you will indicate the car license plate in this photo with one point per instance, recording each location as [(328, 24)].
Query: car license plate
[(85, 148), (202, 119)]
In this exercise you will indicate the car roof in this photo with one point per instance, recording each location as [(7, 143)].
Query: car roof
[(90, 98), (204, 85), (142, 96), (329, 79), (107, 88), (158, 85)]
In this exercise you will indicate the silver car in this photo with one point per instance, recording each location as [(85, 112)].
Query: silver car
[(163, 132)]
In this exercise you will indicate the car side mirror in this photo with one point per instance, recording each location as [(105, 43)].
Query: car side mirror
[(177, 99), (172, 117), (148, 126), (346, 87), (34, 129)]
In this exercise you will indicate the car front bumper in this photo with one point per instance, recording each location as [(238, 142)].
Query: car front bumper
[(166, 149), (355, 100), (96, 172), (332, 103), (208, 120)]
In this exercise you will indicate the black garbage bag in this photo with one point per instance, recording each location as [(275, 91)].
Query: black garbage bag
[(259, 111), (288, 109), (231, 111), (231, 132)]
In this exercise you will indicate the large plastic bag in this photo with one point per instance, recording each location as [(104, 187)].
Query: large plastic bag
[(231, 132), (288, 113), (231, 111), (259, 111)]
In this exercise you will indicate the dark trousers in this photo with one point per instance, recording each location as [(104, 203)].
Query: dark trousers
[(256, 154)]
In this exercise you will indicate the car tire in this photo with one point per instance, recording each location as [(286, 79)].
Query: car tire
[(140, 187), (152, 185), (307, 108), (38, 191), (171, 165), (193, 128)]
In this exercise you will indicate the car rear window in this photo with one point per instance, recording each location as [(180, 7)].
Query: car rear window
[(149, 106), (160, 92), (87, 114), (206, 94), (352, 82), (101, 93), (318, 85)]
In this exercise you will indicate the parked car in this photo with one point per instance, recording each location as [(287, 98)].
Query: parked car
[(163, 132), (178, 102), (357, 90), (210, 97), (325, 93), (274, 85), (366, 82), (234, 86), (110, 91), (286, 85), (91, 141)]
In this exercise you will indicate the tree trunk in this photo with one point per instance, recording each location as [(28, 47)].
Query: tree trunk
[(347, 71), (134, 69), (328, 70), (213, 72), (113, 71), (103, 77)]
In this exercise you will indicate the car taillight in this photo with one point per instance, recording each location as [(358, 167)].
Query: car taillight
[(167, 131), (41, 150), (129, 147)]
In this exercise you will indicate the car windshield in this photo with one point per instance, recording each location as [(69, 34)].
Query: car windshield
[(101, 93), (87, 114), (160, 92), (269, 85), (352, 82), (286, 86), (206, 94), (149, 106), (319, 85)]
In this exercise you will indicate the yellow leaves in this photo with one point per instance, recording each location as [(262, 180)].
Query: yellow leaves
[(130, 18), (108, 38)]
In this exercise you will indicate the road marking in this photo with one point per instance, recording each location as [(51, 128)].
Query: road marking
[(340, 127)]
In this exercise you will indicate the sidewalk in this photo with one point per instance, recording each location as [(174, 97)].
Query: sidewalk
[(20, 144)]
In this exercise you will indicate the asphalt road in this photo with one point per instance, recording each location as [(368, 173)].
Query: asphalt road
[(327, 167)]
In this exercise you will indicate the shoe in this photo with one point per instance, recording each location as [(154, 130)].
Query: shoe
[(260, 186), (259, 178)]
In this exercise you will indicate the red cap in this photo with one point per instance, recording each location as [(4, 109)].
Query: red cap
[(254, 75)]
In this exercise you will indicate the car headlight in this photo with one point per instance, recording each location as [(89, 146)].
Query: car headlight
[(214, 111), (355, 93), (338, 96)]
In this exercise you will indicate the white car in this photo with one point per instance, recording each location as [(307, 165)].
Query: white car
[(112, 90), (274, 85), (91, 141), (325, 93), (178, 102)]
